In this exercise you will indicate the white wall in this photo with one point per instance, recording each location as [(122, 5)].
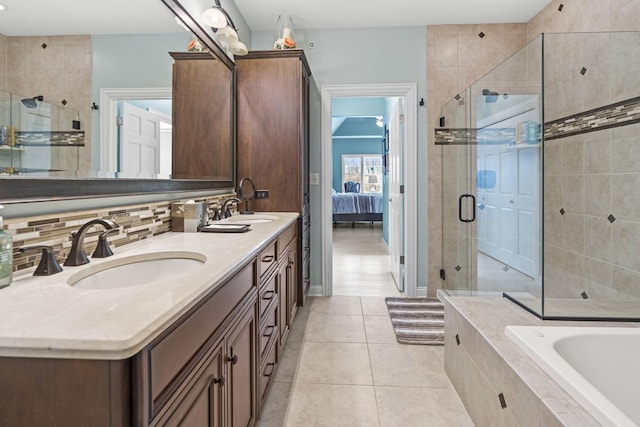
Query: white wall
[(365, 56)]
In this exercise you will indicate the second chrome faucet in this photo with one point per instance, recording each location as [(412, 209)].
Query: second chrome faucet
[(77, 255)]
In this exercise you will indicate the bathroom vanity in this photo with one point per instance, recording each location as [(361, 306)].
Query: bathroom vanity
[(196, 349)]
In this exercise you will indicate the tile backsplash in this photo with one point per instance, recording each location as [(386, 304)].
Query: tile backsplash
[(137, 222)]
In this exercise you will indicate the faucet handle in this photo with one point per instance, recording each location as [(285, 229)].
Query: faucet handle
[(48, 262), (103, 250)]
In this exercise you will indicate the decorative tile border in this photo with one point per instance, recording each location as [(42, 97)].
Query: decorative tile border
[(472, 136), (137, 222), (50, 138), (621, 113)]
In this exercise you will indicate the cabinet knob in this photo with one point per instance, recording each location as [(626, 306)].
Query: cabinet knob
[(233, 359), (219, 381), (273, 368), (268, 295), (271, 329)]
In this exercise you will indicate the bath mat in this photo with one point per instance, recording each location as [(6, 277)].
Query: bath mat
[(417, 320)]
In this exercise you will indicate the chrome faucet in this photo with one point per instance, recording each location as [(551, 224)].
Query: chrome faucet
[(224, 210), (77, 255)]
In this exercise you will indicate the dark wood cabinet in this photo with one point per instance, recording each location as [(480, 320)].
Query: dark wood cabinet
[(273, 137), (202, 405), (241, 368), (202, 105)]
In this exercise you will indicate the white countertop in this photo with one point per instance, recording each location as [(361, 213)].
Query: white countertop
[(46, 317)]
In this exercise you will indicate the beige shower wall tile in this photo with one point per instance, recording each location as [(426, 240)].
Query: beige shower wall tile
[(624, 17), (573, 193), (626, 281), (572, 155), (597, 152), (625, 149), (598, 195), (445, 51), (625, 252), (625, 196)]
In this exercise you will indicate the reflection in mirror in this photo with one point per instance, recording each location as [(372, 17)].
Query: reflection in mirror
[(38, 139), (80, 55)]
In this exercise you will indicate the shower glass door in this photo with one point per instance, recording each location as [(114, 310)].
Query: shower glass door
[(456, 138), (491, 139)]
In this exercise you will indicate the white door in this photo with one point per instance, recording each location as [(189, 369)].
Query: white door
[(396, 201), (508, 204), (140, 142)]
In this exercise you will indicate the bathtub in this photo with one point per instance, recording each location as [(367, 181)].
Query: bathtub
[(598, 366)]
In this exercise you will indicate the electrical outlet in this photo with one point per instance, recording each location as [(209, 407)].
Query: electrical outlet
[(262, 194), (314, 179)]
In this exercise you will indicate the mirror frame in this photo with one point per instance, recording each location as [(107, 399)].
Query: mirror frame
[(22, 190)]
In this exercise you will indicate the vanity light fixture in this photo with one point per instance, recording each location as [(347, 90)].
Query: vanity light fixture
[(2, 7), (226, 31)]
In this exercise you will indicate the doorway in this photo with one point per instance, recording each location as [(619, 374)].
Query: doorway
[(407, 93), (110, 100)]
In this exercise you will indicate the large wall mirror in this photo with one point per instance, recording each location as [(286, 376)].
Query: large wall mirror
[(85, 98)]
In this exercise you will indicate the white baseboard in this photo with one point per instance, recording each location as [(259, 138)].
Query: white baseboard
[(315, 291)]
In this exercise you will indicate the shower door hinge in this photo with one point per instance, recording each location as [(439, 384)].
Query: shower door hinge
[(401, 259), (442, 274), (119, 121), (402, 189), (401, 118)]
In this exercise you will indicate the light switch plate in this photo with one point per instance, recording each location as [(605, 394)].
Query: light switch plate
[(314, 178)]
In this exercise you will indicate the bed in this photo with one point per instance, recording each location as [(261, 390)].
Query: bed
[(357, 207)]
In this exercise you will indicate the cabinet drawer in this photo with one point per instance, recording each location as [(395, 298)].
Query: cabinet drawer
[(170, 357), (267, 372), (286, 237), (268, 293), (269, 331), (267, 258)]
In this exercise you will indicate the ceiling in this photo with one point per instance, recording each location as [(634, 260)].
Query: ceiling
[(52, 17), (262, 14)]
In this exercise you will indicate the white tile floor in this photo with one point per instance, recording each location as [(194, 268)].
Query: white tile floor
[(342, 365)]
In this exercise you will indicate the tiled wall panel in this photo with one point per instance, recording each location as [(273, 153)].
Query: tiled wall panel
[(136, 223)]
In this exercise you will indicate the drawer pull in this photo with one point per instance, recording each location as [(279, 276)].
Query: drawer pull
[(233, 359), (269, 328), (219, 381), (268, 295), (267, 258), (273, 367)]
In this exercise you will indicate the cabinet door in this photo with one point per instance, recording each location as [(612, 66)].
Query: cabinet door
[(241, 365), (283, 323), (292, 284), (202, 405)]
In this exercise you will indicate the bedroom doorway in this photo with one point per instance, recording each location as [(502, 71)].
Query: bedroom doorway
[(407, 95)]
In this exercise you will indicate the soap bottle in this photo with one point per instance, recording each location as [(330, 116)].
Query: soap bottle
[(6, 256)]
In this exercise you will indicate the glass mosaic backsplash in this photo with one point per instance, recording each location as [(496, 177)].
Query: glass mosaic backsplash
[(137, 222)]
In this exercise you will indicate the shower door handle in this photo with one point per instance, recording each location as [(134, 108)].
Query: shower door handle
[(473, 208)]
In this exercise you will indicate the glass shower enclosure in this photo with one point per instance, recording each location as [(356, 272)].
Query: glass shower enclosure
[(541, 179)]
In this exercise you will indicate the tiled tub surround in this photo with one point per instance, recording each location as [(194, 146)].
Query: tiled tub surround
[(137, 222), (486, 363), (45, 317)]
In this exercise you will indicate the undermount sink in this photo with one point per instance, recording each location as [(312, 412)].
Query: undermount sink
[(251, 218), (138, 270)]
